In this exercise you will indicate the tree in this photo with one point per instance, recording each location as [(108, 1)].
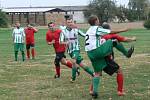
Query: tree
[(137, 9), (3, 20), (104, 9)]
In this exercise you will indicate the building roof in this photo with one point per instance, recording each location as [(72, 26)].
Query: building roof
[(31, 9), (73, 8)]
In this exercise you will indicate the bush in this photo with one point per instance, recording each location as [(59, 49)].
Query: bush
[(147, 24), (3, 20)]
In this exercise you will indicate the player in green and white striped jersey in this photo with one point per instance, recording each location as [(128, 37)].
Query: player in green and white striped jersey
[(97, 49), (70, 37), (18, 39)]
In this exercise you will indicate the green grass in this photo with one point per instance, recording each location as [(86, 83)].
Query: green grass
[(33, 79)]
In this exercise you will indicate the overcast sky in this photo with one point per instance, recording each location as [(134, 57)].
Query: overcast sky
[(33, 3)]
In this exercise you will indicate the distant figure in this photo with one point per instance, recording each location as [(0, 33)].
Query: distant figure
[(18, 39), (30, 42)]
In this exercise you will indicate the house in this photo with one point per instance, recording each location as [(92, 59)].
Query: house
[(43, 15)]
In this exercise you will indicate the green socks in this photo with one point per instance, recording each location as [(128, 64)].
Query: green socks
[(16, 55), (96, 81), (121, 48), (23, 56), (89, 71), (74, 69)]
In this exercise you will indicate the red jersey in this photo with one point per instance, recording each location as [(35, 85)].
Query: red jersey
[(29, 35), (55, 36)]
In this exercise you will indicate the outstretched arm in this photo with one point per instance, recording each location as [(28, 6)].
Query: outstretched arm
[(119, 31)]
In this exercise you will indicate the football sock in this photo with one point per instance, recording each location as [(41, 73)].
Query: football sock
[(23, 55), (74, 69), (96, 81), (57, 68), (69, 64), (16, 55), (28, 54), (89, 71), (33, 52), (121, 48), (120, 81)]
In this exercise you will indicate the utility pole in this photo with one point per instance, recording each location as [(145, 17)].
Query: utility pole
[(30, 4)]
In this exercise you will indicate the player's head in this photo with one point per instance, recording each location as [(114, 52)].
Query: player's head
[(93, 20), (52, 26), (29, 26), (69, 22), (17, 24), (106, 25)]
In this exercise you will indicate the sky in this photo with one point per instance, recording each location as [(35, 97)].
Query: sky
[(42, 3)]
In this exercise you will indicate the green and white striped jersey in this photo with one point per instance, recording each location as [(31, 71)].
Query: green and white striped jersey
[(18, 35), (71, 36), (93, 37)]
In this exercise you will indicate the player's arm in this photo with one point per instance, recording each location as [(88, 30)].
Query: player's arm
[(35, 29), (119, 31), (62, 39), (49, 42), (13, 35), (81, 33)]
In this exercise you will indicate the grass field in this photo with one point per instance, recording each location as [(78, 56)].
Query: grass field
[(33, 79)]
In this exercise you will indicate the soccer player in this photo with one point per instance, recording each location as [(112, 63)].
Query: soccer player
[(69, 36), (52, 38), (110, 58), (97, 50), (30, 42), (18, 39)]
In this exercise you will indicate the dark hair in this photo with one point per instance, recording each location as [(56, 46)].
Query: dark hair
[(92, 19), (50, 23), (106, 26)]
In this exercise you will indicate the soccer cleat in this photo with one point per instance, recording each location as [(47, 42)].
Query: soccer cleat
[(57, 76), (78, 71), (130, 52), (72, 80), (120, 93), (94, 95)]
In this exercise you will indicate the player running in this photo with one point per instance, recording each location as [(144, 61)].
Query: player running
[(70, 37), (52, 38)]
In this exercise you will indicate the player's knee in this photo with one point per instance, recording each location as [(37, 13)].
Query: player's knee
[(56, 62)]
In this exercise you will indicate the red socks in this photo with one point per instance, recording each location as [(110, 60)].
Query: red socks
[(69, 64), (57, 70), (120, 81), (33, 53), (28, 54)]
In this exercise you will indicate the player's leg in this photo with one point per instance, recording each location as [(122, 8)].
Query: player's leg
[(79, 61), (74, 69), (108, 46), (64, 61), (86, 69), (22, 51), (28, 50), (57, 66), (95, 82), (16, 48), (120, 81), (122, 49), (33, 51)]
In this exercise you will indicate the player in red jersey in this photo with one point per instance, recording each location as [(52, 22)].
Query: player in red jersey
[(52, 38), (30, 42)]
